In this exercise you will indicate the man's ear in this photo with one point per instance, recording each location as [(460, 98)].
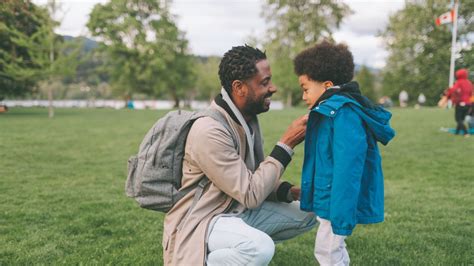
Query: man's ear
[(239, 88)]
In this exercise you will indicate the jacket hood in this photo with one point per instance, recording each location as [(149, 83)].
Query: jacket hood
[(462, 73), (376, 118)]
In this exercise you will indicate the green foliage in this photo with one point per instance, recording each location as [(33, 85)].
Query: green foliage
[(27, 47), (146, 52), (23, 32), (90, 69), (293, 26), (419, 51), (465, 30), (366, 81), (207, 83), (63, 202)]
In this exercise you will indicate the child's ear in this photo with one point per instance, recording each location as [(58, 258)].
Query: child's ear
[(328, 84)]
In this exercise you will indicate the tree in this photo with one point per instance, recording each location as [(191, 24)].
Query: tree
[(23, 32), (207, 83), (293, 26), (419, 51), (30, 50), (146, 52), (366, 80)]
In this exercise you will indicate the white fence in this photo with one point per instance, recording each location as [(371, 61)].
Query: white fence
[(148, 104)]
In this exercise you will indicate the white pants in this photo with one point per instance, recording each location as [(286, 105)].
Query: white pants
[(233, 242), (330, 249), (248, 239)]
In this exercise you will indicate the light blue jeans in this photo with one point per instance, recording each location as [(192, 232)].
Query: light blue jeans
[(248, 239)]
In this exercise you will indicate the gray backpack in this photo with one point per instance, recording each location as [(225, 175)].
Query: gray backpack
[(154, 174)]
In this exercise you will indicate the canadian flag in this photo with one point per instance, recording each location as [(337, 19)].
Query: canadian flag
[(447, 17)]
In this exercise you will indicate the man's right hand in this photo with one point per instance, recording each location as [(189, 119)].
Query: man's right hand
[(295, 133)]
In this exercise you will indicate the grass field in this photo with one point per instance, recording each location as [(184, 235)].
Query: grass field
[(62, 192)]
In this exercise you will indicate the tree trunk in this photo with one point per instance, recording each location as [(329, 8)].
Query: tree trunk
[(289, 99), (175, 97), (51, 58), (50, 100)]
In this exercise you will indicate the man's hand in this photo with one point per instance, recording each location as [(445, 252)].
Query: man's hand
[(295, 133), (295, 192)]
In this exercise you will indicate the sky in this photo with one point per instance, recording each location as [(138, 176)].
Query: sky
[(214, 26)]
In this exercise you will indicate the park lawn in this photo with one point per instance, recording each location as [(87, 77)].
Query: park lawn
[(62, 191)]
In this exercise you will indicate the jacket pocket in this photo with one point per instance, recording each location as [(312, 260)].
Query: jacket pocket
[(322, 193)]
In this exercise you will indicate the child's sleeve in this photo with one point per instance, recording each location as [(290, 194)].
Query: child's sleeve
[(349, 154)]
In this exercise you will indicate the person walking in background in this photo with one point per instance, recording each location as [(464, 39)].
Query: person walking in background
[(460, 95), (342, 180), (421, 100), (403, 98)]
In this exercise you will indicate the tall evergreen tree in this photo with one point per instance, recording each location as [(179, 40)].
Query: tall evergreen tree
[(24, 29)]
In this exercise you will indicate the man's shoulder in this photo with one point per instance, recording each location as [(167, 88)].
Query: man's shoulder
[(207, 123), (207, 126)]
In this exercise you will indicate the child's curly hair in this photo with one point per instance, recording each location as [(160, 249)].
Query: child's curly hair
[(326, 61)]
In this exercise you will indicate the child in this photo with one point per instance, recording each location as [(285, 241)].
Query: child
[(460, 94), (342, 180)]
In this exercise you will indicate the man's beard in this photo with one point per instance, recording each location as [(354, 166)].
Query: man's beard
[(256, 106)]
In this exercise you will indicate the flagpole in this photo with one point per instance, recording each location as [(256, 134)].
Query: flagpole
[(453, 44)]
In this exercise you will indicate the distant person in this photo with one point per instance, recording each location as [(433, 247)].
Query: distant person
[(403, 98), (246, 206), (130, 104), (3, 107), (421, 99), (342, 180), (385, 102), (460, 95)]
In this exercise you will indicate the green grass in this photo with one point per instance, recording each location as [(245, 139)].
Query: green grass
[(62, 191)]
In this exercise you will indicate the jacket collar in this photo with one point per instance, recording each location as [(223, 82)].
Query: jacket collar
[(329, 107), (251, 127), (220, 102)]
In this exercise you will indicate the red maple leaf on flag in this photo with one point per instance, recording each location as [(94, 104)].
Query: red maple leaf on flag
[(445, 18)]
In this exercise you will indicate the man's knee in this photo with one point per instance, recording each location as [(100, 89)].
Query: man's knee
[(309, 221), (259, 249)]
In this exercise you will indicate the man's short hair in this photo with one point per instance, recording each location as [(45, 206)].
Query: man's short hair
[(239, 64), (326, 61)]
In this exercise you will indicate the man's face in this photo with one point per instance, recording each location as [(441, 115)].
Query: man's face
[(260, 89)]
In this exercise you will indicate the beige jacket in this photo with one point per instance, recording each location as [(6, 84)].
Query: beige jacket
[(210, 151)]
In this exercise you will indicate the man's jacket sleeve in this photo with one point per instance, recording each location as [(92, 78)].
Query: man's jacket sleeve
[(349, 154)]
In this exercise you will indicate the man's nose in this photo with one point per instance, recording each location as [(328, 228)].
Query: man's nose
[(273, 88)]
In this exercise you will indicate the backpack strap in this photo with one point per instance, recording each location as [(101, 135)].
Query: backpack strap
[(216, 115), (200, 188)]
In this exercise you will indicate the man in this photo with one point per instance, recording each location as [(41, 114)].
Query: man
[(245, 207)]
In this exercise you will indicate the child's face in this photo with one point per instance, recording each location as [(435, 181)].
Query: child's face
[(312, 90)]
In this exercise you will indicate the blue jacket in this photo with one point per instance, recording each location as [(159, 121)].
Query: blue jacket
[(342, 179)]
